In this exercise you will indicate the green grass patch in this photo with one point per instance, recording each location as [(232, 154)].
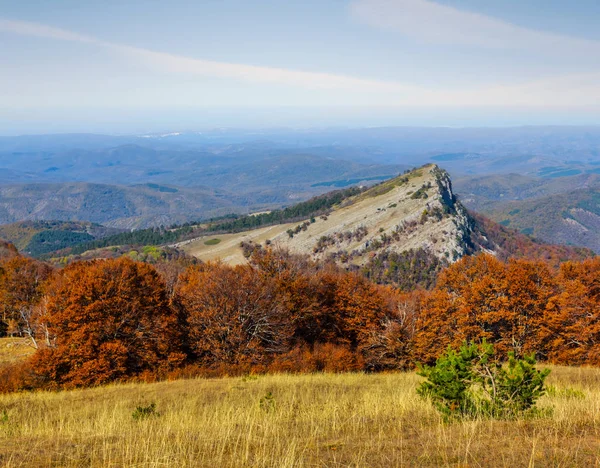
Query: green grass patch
[(212, 241)]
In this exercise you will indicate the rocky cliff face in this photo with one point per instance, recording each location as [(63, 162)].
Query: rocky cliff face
[(415, 210)]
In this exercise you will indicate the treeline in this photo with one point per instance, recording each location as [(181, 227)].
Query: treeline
[(114, 320), (152, 236), (316, 206)]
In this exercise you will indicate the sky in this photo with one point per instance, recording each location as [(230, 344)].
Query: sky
[(135, 66)]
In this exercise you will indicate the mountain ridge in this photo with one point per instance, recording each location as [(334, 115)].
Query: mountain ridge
[(414, 220), (414, 211)]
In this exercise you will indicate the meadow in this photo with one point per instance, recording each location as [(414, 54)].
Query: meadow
[(292, 420)]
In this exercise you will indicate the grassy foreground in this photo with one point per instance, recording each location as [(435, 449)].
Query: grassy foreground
[(311, 420)]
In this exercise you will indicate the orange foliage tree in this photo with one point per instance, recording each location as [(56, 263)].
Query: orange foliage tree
[(572, 323), (233, 315), (480, 298), (281, 307), (328, 305), (108, 320)]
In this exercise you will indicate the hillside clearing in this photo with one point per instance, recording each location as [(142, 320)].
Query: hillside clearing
[(228, 248), (308, 420), (14, 349)]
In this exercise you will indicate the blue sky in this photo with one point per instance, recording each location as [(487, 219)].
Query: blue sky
[(135, 65)]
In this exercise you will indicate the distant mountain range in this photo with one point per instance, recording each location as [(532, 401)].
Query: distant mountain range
[(131, 186), (403, 231), (563, 210), (138, 181), (117, 206)]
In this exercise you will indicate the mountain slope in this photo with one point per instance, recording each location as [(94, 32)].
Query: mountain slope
[(484, 193), (39, 237), (571, 218), (413, 212)]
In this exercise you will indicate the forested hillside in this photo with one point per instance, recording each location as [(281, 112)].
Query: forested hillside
[(562, 210), (571, 218), (36, 238)]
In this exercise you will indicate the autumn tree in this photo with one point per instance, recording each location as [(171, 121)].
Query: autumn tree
[(7, 250), (462, 307), (283, 304), (390, 345), (354, 308), (483, 298), (300, 290), (529, 286), (234, 316), (571, 326), (108, 320), (21, 281), (325, 303)]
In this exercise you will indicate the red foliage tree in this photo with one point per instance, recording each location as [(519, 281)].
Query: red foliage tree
[(482, 298), (21, 281), (280, 304), (109, 320), (233, 315)]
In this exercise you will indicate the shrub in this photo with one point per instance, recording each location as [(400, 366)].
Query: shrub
[(145, 412), (472, 382), (323, 357), (16, 377), (267, 403)]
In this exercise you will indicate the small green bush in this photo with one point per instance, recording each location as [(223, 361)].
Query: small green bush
[(145, 412), (267, 403), (473, 382), (212, 242)]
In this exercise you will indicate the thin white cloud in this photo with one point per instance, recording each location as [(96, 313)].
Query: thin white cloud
[(179, 64), (431, 22), (566, 91), (25, 28), (270, 75)]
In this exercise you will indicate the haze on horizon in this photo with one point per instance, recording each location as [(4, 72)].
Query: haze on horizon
[(111, 66)]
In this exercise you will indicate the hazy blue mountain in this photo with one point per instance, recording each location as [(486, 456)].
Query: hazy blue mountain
[(235, 170)]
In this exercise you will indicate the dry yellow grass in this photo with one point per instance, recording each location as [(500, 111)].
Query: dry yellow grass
[(315, 420)]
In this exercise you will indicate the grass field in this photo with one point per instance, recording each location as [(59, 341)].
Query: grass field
[(310, 420)]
